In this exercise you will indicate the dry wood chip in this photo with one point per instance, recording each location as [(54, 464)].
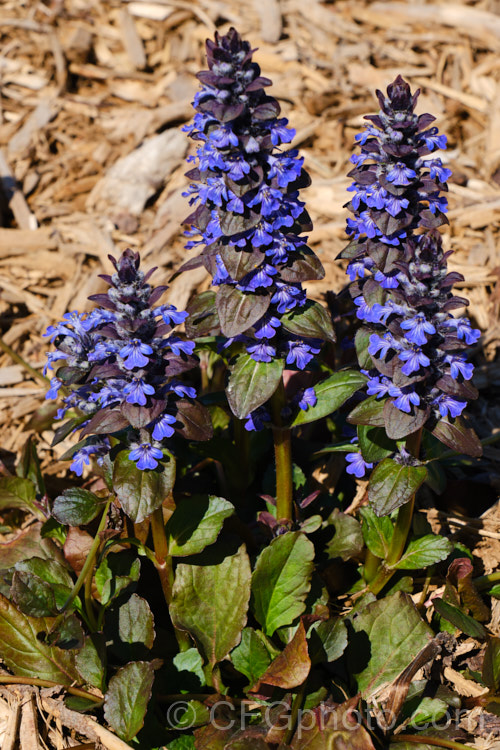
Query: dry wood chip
[(153, 11), (464, 687), (11, 375), (132, 40), (271, 23), (136, 177), (36, 122)]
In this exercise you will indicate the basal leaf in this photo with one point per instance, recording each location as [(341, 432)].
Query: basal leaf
[(251, 383), (392, 485), (428, 710), (332, 727), (141, 492), (390, 635), (25, 654), (33, 596), (210, 602), (238, 310), (76, 507), (136, 622), (311, 320), (17, 492), (491, 664), (195, 523), (331, 394), (117, 571), (281, 580), (127, 698), (425, 551)]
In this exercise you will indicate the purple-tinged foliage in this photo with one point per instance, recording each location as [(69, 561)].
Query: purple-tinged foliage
[(400, 282), (249, 216), (120, 362)]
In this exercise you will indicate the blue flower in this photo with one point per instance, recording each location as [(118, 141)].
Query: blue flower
[(307, 398), (53, 391), (400, 174), (134, 354), (163, 426), (146, 456), (414, 359), (447, 404), (300, 354), (357, 465), (256, 420), (416, 328), (262, 352), (137, 391)]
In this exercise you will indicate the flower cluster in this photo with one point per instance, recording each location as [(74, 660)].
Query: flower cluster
[(400, 283), (120, 363), (249, 214)]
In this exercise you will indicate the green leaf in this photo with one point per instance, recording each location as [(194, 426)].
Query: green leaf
[(48, 570), (135, 622), (374, 443), (142, 492), (190, 661), (327, 640), (457, 436), (117, 571), (331, 394), (253, 655), (184, 742), (238, 310), (425, 551), (251, 383), (311, 320), (348, 539), (195, 523), (16, 492), (32, 595), (428, 710), (281, 580), (370, 411), (25, 654), (377, 532), (76, 507), (463, 622), (195, 714), (91, 661), (491, 664), (390, 635), (392, 485), (28, 466), (210, 601), (127, 698), (361, 341)]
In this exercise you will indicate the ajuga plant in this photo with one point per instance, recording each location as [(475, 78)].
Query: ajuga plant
[(244, 644), (249, 221), (410, 345)]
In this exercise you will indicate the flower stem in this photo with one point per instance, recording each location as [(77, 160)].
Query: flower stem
[(401, 528), (87, 567), (163, 559), (282, 437), (371, 566)]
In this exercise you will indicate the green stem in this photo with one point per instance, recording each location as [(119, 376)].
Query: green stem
[(371, 566), (401, 528), (282, 437), (484, 582), (424, 740), (20, 361), (89, 605), (296, 704), (163, 559), (163, 564), (87, 568), (11, 680)]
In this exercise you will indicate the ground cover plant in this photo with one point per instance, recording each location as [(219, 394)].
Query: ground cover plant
[(203, 592)]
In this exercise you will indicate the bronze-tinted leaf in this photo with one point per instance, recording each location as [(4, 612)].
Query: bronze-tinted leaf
[(239, 311), (203, 318), (194, 419), (458, 437), (291, 667), (240, 262)]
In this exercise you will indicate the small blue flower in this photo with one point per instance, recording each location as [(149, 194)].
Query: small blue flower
[(163, 426), (170, 315), (262, 352), (447, 404), (357, 465), (400, 174), (300, 354), (458, 366), (146, 456), (137, 391), (307, 398), (134, 354), (414, 359), (256, 420), (53, 391), (416, 328)]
